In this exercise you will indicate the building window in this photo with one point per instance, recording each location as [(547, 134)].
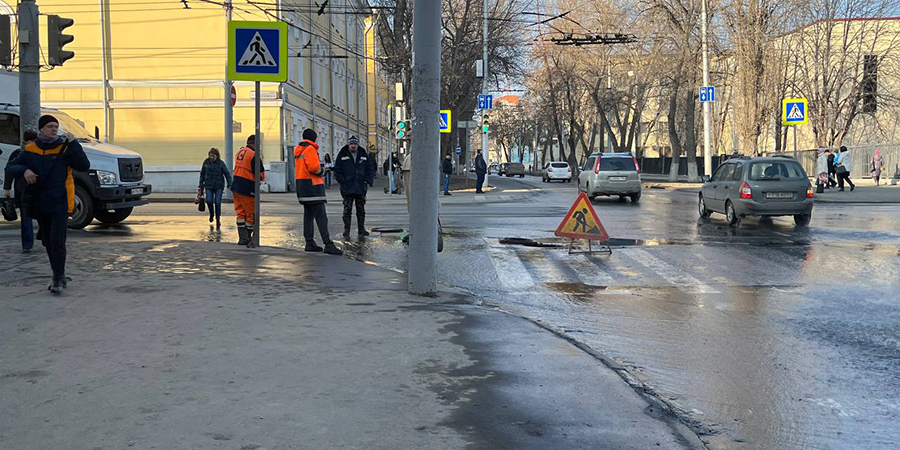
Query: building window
[(870, 84)]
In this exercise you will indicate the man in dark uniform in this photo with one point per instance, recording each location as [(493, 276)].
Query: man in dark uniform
[(47, 165), (355, 174), (18, 187)]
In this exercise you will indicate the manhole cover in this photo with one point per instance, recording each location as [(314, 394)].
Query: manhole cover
[(387, 230)]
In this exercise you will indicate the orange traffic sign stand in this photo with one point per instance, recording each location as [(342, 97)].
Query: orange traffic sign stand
[(581, 222)]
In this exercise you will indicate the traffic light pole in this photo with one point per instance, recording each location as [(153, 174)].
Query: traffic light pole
[(484, 90), (29, 66), (426, 96)]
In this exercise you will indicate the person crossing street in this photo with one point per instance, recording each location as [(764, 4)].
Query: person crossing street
[(308, 172), (243, 187), (355, 174)]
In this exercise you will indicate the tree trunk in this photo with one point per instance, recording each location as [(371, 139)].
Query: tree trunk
[(690, 138), (673, 135)]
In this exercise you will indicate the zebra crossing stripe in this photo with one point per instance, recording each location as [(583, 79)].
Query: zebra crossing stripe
[(589, 272), (543, 265), (680, 279), (511, 272)]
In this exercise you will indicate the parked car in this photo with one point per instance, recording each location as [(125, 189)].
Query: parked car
[(610, 174), (515, 170), (746, 186), (501, 169), (557, 171)]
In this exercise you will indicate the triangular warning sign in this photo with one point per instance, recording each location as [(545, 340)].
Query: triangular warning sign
[(795, 113), (582, 222), (257, 54)]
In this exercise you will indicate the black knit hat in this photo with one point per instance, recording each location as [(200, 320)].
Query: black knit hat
[(45, 119), (310, 135)]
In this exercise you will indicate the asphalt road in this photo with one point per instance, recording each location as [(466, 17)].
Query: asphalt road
[(766, 336)]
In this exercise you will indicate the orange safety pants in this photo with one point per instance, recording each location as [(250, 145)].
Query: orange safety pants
[(244, 207)]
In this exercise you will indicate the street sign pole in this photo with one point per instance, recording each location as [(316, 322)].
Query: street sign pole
[(229, 112), (257, 169), (707, 151), (484, 90)]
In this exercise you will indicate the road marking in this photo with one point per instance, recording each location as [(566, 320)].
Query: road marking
[(510, 270), (589, 271), (680, 279), (544, 267)]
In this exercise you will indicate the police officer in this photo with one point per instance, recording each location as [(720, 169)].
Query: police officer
[(47, 165), (243, 188), (308, 173), (355, 174)]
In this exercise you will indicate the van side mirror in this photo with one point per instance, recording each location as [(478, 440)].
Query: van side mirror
[(704, 178)]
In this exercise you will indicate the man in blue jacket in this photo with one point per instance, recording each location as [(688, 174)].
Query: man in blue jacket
[(355, 173), (47, 165)]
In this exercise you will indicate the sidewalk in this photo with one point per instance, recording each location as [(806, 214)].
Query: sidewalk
[(177, 345)]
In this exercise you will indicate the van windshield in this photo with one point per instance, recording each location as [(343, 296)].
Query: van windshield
[(71, 128), (610, 164), (776, 171)]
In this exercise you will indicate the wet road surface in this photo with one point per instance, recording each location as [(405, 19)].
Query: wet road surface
[(766, 336)]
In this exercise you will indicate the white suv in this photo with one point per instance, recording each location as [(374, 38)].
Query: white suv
[(611, 174), (557, 171)]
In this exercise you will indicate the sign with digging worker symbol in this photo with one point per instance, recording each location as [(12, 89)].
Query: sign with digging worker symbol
[(582, 222)]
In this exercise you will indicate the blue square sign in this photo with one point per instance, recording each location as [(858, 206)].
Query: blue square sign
[(260, 50), (707, 94)]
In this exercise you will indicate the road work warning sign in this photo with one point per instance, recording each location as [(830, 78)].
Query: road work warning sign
[(582, 222)]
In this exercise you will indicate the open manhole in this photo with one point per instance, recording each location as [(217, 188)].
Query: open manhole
[(387, 230), (563, 242)]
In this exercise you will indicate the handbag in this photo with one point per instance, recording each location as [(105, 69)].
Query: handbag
[(8, 208), (840, 169), (201, 205)]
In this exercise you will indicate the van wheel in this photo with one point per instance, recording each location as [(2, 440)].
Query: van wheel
[(802, 220), (730, 215), (635, 197), (83, 214), (114, 216)]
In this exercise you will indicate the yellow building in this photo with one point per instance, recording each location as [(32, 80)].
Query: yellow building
[(381, 95), (150, 76)]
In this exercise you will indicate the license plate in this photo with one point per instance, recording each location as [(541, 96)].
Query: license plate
[(137, 191), (779, 195), (618, 178)]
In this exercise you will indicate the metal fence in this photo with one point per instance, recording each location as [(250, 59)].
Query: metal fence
[(860, 160)]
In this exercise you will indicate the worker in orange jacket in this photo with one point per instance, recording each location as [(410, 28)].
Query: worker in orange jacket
[(244, 189), (308, 174)]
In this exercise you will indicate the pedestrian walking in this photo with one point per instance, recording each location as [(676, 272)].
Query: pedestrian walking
[(18, 189), (877, 167), (214, 178), (355, 173), (329, 169), (842, 168), (308, 174), (447, 170), (47, 165), (243, 188), (480, 171), (832, 175)]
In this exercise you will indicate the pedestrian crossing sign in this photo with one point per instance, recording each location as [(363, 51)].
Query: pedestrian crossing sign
[(582, 222), (445, 114), (257, 51), (794, 111)]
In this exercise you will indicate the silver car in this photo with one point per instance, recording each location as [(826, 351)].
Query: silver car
[(611, 174), (745, 186)]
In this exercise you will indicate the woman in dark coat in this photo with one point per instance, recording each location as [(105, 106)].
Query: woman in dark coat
[(214, 178)]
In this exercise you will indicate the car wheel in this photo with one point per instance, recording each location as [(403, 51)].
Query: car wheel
[(522, 176), (635, 197), (116, 216), (702, 206), (730, 215), (621, 199), (83, 214), (802, 220)]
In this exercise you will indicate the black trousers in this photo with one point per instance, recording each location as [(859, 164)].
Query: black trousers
[(52, 232), (842, 177), (360, 202), (479, 183), (315, 213)]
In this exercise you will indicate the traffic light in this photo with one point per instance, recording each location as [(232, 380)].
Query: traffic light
[(485, 122), (403, 129), (57, 40), (5, 46)]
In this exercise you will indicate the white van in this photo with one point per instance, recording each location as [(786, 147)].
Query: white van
[(112, 187)]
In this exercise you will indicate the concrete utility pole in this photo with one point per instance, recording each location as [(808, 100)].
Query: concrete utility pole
[(426, 95), (29, 66), (484, 90), (707, 151), (229, 110), (103, 68)]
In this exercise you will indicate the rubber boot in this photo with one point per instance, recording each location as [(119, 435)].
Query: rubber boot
[(251, 229), (360, 222), (243, 235)]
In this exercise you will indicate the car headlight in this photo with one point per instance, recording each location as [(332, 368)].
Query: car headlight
[(106, 178)]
